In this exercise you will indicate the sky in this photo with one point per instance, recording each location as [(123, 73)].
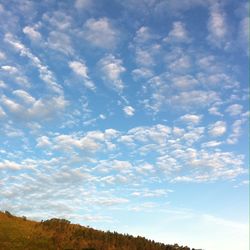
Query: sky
[(129, 116)]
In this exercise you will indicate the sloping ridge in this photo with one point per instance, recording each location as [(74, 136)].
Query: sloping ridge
[(59, 234)]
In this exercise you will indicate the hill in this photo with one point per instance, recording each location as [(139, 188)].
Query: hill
[(59, 234)]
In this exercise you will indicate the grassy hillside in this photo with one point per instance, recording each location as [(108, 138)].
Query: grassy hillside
[(20, 233)]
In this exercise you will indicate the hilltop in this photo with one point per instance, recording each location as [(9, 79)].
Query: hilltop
[(59, 234)]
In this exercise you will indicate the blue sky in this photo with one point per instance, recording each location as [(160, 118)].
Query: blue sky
[(129, 116)]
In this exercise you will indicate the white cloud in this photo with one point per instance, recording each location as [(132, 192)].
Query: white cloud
[(236, 132), (9, 69), (112, 69), (210, 144), (141, 73), (2, 55), (10, 131), (97, 218), (2, 113), (158, 133), (180, 64), (6, 164), (82, 4), (120, 165), (111, 201), (184, 82), (243, 28), (217, 26), (218, 80), (100, 33), (218, 128), (60, 41), (58, 20), (146, 47), (145, 168), (24, 96), (129, 111), (144, 57), (206, 61), (91, 142), (32, 33), (143, 35), (235, 109), (45, 74), (151, 193), (31, 108), (195, 119), (177, 34), (43, 141), (217, 165), (11, 105), (47, 108), (81, 69), (189, 99), (214, 111)]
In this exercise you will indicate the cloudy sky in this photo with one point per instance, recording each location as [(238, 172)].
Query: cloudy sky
[(128, 115)]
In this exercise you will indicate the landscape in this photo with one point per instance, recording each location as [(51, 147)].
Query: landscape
[(19, 233), (124, 124)]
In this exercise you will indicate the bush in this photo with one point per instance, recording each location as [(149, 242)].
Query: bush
[(8, 214)]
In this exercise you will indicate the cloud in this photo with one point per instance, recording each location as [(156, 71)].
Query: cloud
[(48, 108), (89, 142), (141, 73), (11, 105), (9, 69), (81, 69), (189, 99), (195, 119), (235, 109), (215, 165), (210, 144), (218, 80), (60, 41), (181, 64), (32, 33), (146, 47), (181, 92), (31, 108), (2, 56), (129, 111), (145, 169), (111, 201), (24, 96), (45, 74), (82, 4), (236, 132), (143, 35), (58, 20), (6, 164), (177, 34), (100, 33), (151, 193), (169, 153), (2, 113), (184, 82), (144, 57), (10, 165), (43, 141), (217, 26), (214, 111), (217, 129), (243, 36), (112, 68)]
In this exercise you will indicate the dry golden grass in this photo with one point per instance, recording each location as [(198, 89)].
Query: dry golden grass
[(58, 234)]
